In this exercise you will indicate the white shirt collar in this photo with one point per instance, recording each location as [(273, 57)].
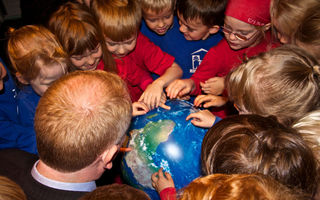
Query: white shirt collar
[(81, 187)]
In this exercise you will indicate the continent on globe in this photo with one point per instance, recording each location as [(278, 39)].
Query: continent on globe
[(163, 138)]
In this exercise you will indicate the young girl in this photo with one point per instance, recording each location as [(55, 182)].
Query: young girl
[(246, 28), (283, 82), (120, 23), (38, 60), (82, 39)]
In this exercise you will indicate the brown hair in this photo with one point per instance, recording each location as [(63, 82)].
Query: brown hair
[(116, 192), (31, 43), (80, 116), (283, 82), (119, 20), (238, 187), (255, 144), (78, 31), (9, 190), (289, 14), (157, 5), (210, 12)]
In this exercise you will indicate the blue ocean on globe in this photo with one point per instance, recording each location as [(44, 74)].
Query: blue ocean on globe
[(163, 138)]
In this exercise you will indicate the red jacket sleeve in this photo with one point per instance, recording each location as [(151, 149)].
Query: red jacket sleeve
[(168, 194), (150, 57)]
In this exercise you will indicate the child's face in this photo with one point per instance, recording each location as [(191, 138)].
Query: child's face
[(193, 29), (234, 29), (89, 60), (121, 49), (48, 74), (3, 73), (159, 22)]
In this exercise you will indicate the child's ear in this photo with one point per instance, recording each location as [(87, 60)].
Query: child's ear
[(21, 79), (214, 29), (266, 27)]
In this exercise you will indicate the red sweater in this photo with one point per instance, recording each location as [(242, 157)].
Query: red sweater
[(136, 78), (221, 59), (168, 194)]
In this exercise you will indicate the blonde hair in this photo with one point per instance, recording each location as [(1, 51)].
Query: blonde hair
[(78, 31), (282, 82), (308, 127), (238, 187), (157, 5), (289, 14), (118, 19), (31, 43), (80, 116), (9, 190)]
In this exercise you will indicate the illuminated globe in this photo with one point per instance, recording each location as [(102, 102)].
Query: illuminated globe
[(163, 138)]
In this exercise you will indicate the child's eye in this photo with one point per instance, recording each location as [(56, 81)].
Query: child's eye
[(111, 44), (152, 20), (168, 17), (129, 42), (76, 57)]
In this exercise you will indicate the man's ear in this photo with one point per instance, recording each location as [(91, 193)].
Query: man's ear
[(214, 29), (21, 79), (108, 156)]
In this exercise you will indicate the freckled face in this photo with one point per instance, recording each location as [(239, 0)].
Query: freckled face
[(48, 74), (160, 22)]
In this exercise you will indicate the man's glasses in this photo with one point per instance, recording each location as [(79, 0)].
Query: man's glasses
[(237, 35)]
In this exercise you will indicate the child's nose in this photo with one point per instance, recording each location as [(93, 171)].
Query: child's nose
[(121, 49), (161, 23), (232, 36), (91, 60)]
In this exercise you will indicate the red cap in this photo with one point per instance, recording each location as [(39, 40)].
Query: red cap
[(255, 12)]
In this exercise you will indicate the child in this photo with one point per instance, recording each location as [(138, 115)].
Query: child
[(246, 32), (287, 15), (268, 85), (256, 144), (9, 190), (199, 23), (230, 187), (12, 134), (82, 39), (120, 22), (38, 60)]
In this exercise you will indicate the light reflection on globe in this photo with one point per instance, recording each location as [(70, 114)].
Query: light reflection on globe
[(163, 138)]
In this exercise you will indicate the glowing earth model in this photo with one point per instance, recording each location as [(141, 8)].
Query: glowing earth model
[(163, 138)]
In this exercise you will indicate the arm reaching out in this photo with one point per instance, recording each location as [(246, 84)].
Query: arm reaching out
[(209, 100), (203, 118), (153, 94), (161, 180), (213, 85)]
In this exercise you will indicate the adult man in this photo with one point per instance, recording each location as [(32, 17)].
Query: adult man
[(80, 124)]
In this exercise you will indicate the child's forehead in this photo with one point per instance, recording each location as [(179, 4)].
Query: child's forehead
[(196, 21), (157, 13)]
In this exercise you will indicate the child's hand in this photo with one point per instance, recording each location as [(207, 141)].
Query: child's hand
[(210, 100), (161, 180), (139, 108), (179, 88), (152, 95), (203, 118), (213, 85), (163, 101)]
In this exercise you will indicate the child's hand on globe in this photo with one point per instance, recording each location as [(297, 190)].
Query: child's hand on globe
[(139, 108), (161, 180)]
